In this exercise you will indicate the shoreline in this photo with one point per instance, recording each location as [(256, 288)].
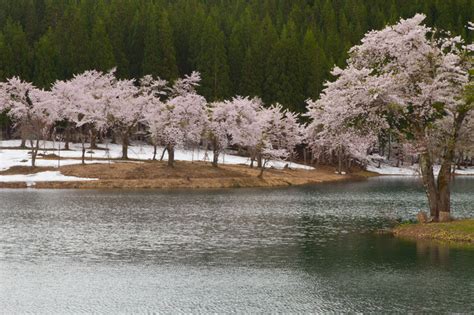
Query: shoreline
[(189, 175), (457, 231)]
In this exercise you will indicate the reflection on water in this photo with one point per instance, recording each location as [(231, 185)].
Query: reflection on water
[(292, 250), (436, 252)]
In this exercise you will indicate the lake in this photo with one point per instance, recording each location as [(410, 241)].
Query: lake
[(297, 249)]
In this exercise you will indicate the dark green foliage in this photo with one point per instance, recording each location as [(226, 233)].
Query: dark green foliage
[(46, 62), (279, 50), (15, 51), (101, 51)]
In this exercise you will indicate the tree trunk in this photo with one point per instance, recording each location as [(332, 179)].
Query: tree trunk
[(23, 143), (262, 169), (125, 146), (163, 153), (259, 161), (154, 152), (444, 177), (215, 158), (389, 154), (339, 161), (83, 157), (215, 152), (93, 135), (170, 156), (34, 152), (444, 191), (426, 166), (67, 138)]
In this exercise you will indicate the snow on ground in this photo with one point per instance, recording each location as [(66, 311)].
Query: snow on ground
[(411, 170), (391, 170), (9, 158), (48, 176), (13, 157)]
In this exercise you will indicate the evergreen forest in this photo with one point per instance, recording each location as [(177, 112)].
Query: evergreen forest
[(279, 50)]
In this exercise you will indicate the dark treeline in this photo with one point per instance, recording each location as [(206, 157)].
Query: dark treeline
[(280, 50)]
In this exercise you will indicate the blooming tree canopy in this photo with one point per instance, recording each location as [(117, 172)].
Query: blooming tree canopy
[(179, 120), (33, 110), (410, 78)]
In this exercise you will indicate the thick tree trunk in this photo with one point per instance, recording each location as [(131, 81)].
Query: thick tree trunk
[(426, 166), (444, 177), (215, 158), (23, 143), (444, 191), (170, 150), (93, 135), (125, 146)]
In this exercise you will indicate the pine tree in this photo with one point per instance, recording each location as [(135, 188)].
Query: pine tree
[(15, 51), (315, 65), (46, 61), (239, 42), (212, 63), (121, 15), (285, 75), (5, 58), (102, 55), (167, 66), (72, 35), (135, 47), (151, 52), (255, 67)]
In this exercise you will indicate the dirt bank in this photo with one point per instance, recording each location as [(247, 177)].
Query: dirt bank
[(183, 175)]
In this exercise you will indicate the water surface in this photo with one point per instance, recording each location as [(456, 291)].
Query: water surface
[(300, 249)]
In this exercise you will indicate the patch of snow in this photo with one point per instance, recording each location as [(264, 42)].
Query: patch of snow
[(411, 170), (12, 157), (9, 157), (466, 171), (48, 176), (392, 170)]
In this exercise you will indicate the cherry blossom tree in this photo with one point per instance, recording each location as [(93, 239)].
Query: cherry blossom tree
[(412, 79), (242, 123), (82, 103), (32, 110), (278, 136), (217, 131), (293, 133), (156, 91), (125, 107), (180, 119)]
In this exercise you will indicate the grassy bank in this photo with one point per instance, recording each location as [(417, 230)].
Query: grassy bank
[(455, 231), (183, 175)]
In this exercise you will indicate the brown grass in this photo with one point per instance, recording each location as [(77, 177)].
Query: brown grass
[(183, 175), (23, 170)]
